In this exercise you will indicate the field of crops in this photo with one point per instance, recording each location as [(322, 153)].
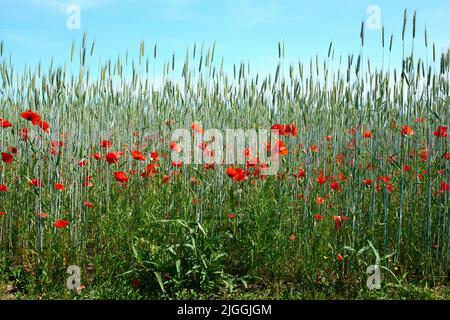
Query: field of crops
[(89, 176)]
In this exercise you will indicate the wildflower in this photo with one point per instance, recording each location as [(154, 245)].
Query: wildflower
[(137, 155), (367, 182), (3, 188), (293, 237), (105, 144), (59, 186), (321, 179), (7, 158), (175, 146), (197, 128), (31, 116), (5, 123), (121, 176), (113, 157), (334, 185), (44, 126), (88, 204), (231, 216), (367, 134), (340, 257), (441, 132), (165, 179), (406, 168), (35, 183), (407, 131), (2, 213), (98, 156), (59, 224), (318, 217), (338, 221)]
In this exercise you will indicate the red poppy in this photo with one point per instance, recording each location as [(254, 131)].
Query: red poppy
[(441, 132), (3, 188), (340, 257), (406, 168), (231, 216), (318, 217), (367, 134), (444, 186), (177, 163), (113, 157), (121, 176), (154, 156), (137, 155), (136, 282), (98, 156), (367, 182), (59, 224), (334, 185), (165, 179), (338, 221), (44, 126), (7, 158), (2, 213), (5, 123), (407, 131), (12, 150), (82, 163), (59, 186), (88, 204), (282, 150), (106, 144), (31, 116), (300, 174), (314, 148), (175, 146), (197, 128), (321, 179), (35, 183), (446, 156), (328, 138)]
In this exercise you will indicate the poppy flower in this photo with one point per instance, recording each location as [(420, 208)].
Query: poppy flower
[(197, 128), (407, 131), (441, 132), (340, 257), (338, 221), (231, 172), (334, 185), (231, 216), (300, 173), (5, 123), (367, 182), (282, 150), (44, 126), (137, 155), (121, 176), (12, 150), (98, 156), (2, 213), (165, 179), (444, 186), (42, 215), (59, 186), (3, 188), (31, 116), (328, 138), (314, 148), (292, 237), (35, 183), (87, 182), (367, 134), (320, 200), (318, 217), (321, 179), (59, 224), (177, 163), (406, 168), (154, 156), (7, 158), (113, 157), (88, 204), (82, 163), (105, 144), (175, 146), (446, 156)]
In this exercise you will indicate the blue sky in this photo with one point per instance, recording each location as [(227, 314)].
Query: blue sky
[(244, 30)]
